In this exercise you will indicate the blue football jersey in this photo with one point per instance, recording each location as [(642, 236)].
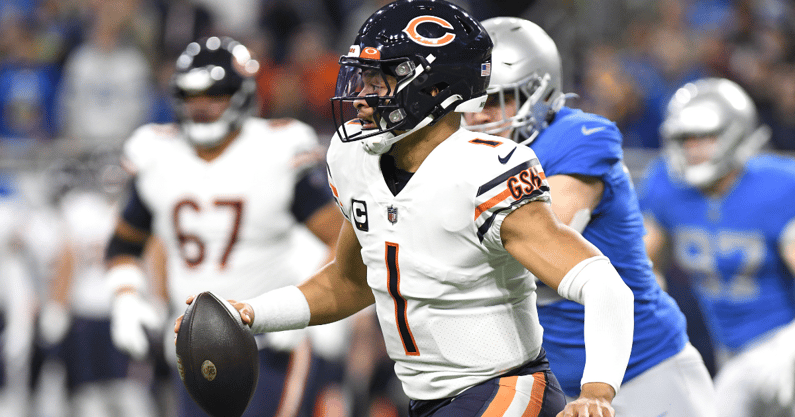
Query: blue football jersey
[(587, 144), (729, 246)]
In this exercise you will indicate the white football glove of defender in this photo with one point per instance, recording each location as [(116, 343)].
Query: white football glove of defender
[(131, 316)]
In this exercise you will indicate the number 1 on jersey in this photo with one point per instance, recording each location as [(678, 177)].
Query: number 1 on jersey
[(393, 284)]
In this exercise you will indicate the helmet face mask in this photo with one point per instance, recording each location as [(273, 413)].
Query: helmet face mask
[(219, 68), (376, 83), (711, 128), (435, 53), (526, 65)]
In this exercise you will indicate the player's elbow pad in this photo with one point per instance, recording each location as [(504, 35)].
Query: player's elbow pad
[(609, 318)]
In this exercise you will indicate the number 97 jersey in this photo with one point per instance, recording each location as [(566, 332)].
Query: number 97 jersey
[(454, 307)]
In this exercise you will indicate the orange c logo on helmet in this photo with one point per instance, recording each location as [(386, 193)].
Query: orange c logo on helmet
[(411, 30)]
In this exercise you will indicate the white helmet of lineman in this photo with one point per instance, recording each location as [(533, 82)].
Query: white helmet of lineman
[(711, 107), (525, 64)]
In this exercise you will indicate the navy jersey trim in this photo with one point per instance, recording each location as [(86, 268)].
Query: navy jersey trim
[(484, 228), (136, 213), (310, 194)]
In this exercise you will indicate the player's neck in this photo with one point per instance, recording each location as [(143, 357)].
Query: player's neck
[(723, 185), (210, 153), (411, 151)]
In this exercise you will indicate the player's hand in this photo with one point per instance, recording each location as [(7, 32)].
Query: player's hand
[(245, 310), (594, 401), (131, 316), (54, 323)]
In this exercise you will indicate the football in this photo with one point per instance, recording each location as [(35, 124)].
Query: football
[(217, 356)]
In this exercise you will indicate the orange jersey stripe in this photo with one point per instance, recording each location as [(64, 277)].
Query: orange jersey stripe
[(492, 202), (536, 395), (499, 405)]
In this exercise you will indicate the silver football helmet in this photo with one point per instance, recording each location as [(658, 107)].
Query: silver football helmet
[(526, 64), (711, 107)]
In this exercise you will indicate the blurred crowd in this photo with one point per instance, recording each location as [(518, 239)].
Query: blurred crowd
[(84, 73), (78, 76)]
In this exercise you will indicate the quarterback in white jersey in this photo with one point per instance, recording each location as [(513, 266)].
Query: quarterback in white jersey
[(453, 304), (442, 225), (225, 193)]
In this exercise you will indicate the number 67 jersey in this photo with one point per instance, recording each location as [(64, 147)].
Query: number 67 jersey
[(455, 308), (226, 224)]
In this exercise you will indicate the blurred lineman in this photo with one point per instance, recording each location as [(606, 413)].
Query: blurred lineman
[(593, 193), (729, 219), (443, 224), (225, 192)]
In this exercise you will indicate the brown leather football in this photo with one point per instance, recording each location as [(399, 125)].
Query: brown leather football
[(217, 356)]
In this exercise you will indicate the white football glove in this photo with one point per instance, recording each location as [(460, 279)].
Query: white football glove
[(131, 316), (54, 323)]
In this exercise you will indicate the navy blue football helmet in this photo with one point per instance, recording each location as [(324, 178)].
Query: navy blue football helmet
[(216, 67), (426, 45)]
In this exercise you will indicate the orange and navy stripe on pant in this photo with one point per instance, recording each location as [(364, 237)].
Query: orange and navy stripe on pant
[(530, 391)]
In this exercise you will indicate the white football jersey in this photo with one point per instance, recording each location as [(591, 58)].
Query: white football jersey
[(226, 224), (454, 307), (89, 218)]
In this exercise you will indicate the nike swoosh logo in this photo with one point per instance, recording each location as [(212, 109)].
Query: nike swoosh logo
[(504, 159), (587, 132)]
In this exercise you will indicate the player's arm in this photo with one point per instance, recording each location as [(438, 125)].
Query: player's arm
[(126, 246), (131, 313), (574, 197), (314, 206), (565, 261), (335, 292), (340, 289), (54, 319), (656, 241), (787, 246)]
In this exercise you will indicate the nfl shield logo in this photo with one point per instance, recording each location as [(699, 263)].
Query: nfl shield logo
[(391, 214)]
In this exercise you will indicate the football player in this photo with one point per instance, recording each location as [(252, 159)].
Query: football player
[(76, 316), (226, 193), (442, 225), (727, 215), (593, 193)]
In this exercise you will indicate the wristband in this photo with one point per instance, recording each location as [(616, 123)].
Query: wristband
[(125, 276), (284, 308)]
